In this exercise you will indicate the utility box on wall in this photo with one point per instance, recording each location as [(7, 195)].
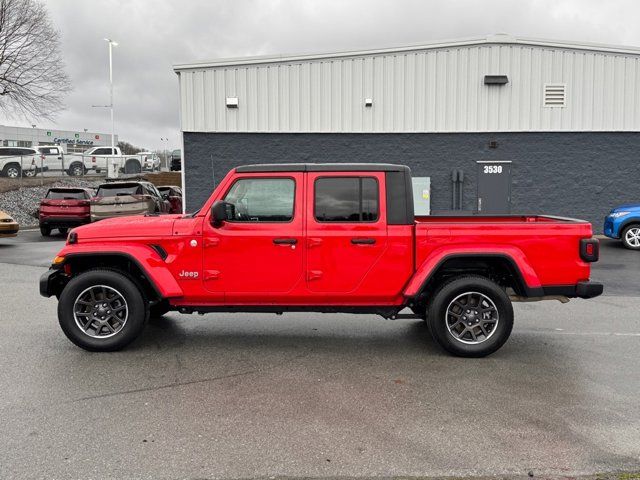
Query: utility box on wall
[(421, 195)]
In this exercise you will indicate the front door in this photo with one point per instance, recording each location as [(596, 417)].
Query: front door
[(257, 256), (346, 233), (494, 187)]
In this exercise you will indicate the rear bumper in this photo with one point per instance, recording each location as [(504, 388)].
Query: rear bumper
[(585, 289), (68, 222)]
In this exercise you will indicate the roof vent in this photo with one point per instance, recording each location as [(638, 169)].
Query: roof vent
[(555, 95)]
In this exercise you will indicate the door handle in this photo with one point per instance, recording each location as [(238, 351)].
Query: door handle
[(363, 241), (285, 241)]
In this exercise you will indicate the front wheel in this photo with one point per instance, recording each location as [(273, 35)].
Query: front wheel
[(101, 310), (470, 316), (45, 231), (63, 231), (631, 237)]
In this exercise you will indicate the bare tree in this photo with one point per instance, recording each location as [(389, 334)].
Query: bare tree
[(128, 149), (32, 77)]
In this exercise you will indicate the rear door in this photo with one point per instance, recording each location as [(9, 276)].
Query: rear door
[(52, 157), (346, 232)]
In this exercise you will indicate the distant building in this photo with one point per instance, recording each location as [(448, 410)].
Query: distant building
[(70, 140), (498, 123)]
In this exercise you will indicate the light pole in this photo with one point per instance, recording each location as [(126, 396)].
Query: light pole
[(113, 130), (166, 152)]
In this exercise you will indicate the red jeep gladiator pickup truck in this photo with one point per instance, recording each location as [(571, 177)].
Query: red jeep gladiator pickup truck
[(321, 238)]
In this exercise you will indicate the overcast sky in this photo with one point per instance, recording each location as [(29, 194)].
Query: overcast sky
[(154, 35)]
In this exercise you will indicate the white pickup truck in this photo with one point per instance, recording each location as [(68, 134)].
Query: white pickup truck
[(100, 159), (97, 159)]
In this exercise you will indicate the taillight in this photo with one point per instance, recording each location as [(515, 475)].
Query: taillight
[(590, 249), (93, 159)]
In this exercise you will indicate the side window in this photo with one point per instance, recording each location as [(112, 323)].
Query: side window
[(346, 199), (262, 199), (102, 151)]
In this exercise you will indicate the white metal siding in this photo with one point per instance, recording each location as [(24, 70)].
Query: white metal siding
[(430, 90)]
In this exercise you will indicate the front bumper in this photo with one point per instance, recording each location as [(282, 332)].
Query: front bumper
[(52, 282), (610, 229)]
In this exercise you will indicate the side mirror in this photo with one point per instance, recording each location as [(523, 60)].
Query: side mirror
[(221, 212)]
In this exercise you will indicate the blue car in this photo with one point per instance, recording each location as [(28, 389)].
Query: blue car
[(623, 223)]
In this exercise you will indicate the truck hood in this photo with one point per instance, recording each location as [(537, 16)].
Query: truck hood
[(133, 226), (626, 207)]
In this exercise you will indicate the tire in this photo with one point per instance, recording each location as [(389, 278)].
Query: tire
[(30, 173), (467, 332), (11, 170), (631, 236), (45, 231), (125, 303), (76, 169), (132, 166), (63, 231)]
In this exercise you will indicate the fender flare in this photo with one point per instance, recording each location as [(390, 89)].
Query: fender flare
[(527, 276), (145, 257)]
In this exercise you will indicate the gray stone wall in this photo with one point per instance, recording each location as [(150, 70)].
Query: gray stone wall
[(581, 175)]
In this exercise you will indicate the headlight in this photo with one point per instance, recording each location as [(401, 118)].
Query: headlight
[(619, 214)]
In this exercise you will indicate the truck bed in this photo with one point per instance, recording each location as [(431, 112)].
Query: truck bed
[(548, 245)]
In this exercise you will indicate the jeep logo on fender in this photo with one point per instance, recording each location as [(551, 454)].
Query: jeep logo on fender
[(185, 274)]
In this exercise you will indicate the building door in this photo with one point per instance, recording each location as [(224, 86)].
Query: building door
[(494, 187)]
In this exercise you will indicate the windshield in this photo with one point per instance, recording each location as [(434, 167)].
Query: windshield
[(119, 190), (60, 194)]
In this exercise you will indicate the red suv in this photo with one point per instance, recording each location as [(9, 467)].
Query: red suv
[(63, 208)]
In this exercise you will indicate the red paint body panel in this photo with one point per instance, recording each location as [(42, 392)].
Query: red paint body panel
[(239, 264)]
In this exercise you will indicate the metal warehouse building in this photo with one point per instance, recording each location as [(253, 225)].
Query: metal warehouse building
[(497, 124)]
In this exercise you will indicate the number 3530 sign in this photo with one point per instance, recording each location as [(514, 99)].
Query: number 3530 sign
[(492, 169)]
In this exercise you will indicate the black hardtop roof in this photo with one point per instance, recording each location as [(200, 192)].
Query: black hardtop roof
[(322, 167)]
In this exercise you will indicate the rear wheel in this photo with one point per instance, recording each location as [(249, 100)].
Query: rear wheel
[(63, 231), (76, 169), (12, 170), (631, 237), (30, 173), (470, 316), (45, 231), (101, 310)]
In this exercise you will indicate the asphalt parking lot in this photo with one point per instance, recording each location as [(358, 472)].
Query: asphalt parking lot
[(313, 395)]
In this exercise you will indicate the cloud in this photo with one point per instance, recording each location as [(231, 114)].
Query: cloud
[(154, 35)]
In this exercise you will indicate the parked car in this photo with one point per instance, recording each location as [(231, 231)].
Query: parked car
[(174, 195), (150, 161), (176, 161), (98, 159), (623, 223), (117, 199), (64, 208), (8, 226), (19, 161), (319, 237)]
